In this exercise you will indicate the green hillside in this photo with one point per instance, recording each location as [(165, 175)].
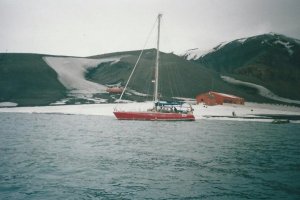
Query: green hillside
[(27, 80), (178, 77)]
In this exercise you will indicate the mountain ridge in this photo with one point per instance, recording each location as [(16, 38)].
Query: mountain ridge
[(271, 60), (262, 60), (196, 53)]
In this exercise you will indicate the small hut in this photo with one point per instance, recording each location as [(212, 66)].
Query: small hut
[(114, 90), (215, 98)]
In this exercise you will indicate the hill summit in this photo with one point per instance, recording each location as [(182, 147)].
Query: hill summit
[(271, 60)]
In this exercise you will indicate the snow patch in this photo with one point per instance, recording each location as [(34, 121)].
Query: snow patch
[(297, 41), (8, 104), (115, 62), (218, 47), (136, 93), (287, 45), (261, 90), (194, 54), (119, 84), (71, 72), (221, 45), (242, 40), (273, 34)]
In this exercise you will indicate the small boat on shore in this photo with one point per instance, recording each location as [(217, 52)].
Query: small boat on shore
[(114, 90)]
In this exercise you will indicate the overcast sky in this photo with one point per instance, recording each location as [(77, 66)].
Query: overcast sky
[(91, 27)]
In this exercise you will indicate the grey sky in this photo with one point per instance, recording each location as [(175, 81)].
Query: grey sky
[(90, 27)]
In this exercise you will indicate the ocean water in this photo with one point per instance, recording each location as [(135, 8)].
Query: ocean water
[(51, 156)]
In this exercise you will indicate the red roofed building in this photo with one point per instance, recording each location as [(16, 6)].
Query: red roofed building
[(114, 90), (215, 98)]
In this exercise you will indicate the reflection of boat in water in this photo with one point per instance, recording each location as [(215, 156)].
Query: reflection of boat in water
[(280, 121), (114, 90), (162, 110)]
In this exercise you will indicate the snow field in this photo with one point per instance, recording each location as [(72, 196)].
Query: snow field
[(71, 72)]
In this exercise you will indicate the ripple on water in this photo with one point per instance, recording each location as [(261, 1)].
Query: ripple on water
[(91, 157)]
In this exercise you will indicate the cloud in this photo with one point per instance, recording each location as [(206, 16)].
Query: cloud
[(89, 27)]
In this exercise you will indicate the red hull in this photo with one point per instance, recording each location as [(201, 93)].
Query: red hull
[(154, 116)]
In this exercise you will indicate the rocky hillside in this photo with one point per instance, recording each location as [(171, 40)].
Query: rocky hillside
[(32, 79), (271, 60), (26, 79), (178, 77)]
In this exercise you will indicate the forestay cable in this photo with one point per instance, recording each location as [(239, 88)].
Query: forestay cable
[(137, 62)]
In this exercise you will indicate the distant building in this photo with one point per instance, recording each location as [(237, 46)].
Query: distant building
[(214, 98), (114, 90)]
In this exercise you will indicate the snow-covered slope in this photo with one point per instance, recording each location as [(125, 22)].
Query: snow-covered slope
[(278, 40), (71, 72), (261, 90), (193, 54), (196, 53), (271, 60)]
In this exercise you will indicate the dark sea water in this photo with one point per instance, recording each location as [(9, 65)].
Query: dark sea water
[(48, 156)]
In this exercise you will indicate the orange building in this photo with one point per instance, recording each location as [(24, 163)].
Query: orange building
[(215, 98), (114, 90)]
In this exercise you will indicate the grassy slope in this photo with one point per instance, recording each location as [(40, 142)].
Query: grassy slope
[(178, 77), (27, 80)]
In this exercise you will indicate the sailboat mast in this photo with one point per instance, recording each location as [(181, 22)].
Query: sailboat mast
[(157, 61)]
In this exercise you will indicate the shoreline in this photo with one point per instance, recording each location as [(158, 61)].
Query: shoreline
[(248, 112)]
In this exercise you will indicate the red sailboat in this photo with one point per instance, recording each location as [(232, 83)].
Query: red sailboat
[(162, 110)]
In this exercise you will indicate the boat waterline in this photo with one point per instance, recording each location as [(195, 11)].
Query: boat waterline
[(153, 116)]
